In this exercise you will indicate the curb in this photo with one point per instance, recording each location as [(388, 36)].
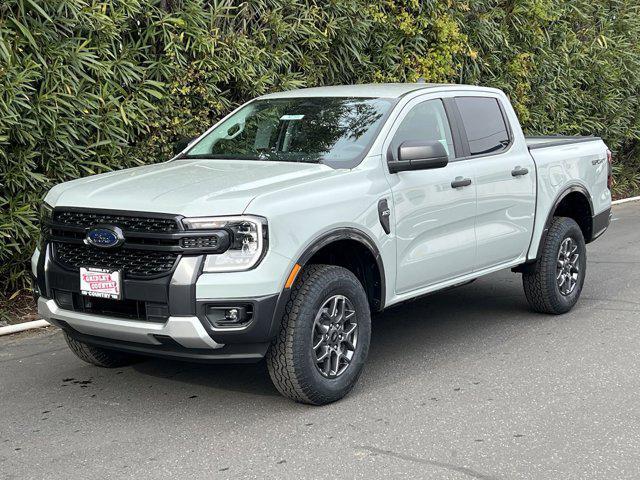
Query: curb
[(21, 327), (625, 200)]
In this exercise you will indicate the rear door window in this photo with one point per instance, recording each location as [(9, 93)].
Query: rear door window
[(484, 124)]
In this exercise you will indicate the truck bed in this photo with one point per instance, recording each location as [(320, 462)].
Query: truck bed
[(564, 163), (545, 141)]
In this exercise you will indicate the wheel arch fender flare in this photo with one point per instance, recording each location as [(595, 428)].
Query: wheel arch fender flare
[(347, 233), (341, 233), (573, 188), (325, 239)]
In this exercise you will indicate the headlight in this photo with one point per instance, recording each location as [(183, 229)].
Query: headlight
[(248, 241)]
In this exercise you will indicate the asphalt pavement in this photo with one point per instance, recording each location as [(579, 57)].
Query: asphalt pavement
[(465, 384)]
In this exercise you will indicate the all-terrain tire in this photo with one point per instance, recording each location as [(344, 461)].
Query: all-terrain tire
[(100, 357), (539, 280), (291, 359)]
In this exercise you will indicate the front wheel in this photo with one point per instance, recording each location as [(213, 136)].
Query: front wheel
[(100, 357), (323, 342), (554, 283)]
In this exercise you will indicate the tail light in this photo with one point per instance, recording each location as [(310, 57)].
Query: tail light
[(610, 169)]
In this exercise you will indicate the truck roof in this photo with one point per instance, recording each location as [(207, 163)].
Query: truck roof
[(370, 90)]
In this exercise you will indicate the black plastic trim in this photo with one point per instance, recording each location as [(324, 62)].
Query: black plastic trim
[(263, 326), (233, 353), (348, 233), (600, 223), (557, 140), (552, 211), (278, 313), (463, 182), (35, 287), (174, 236), (455, 126), (123, 213), (148, 289), (182, 287), (223, 234), (41, 274), (58, 263), (384, 215)]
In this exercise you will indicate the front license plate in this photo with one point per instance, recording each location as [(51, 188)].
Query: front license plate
[(98, 282)]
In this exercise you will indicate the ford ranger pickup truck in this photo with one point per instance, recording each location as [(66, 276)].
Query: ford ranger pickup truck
[(278, 232)]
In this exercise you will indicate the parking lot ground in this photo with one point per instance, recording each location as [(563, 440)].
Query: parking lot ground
[(459, 385)]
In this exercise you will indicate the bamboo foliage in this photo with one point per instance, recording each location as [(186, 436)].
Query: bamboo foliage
[(88, 86)]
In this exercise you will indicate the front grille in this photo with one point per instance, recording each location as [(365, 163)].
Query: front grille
[(134, 263), (125, 222), (153, 243)]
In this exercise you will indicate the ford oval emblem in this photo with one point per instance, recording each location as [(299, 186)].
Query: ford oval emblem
[(104, 237)]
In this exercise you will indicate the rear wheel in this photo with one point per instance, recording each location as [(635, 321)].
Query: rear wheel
[(554, 283), (323, 342), (100, 357)]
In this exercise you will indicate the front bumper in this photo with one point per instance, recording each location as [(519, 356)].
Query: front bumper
[(180, 338), (186, 331), (183, 333)]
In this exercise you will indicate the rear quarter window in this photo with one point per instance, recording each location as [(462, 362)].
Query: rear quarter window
[(484, 124)]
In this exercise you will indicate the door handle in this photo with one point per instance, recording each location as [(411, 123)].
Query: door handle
[(519, 171), (460, 182)]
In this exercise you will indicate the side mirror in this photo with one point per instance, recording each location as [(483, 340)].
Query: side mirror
[(181, 144), (419, 155)]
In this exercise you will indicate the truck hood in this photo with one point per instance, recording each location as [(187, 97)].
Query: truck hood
[(185, 187)]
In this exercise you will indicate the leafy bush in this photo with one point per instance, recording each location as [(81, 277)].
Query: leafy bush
[(87, 86)]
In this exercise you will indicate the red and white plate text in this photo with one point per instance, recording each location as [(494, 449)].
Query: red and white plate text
[(98, 282)]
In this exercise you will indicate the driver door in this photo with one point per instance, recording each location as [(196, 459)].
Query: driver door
[(435, 219)]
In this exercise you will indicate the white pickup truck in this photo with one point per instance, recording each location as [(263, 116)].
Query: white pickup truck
[(279, 231)]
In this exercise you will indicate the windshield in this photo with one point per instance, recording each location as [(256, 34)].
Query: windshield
[(330, 130)]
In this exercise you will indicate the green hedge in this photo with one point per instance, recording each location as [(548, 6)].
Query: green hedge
[(87, 86)]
